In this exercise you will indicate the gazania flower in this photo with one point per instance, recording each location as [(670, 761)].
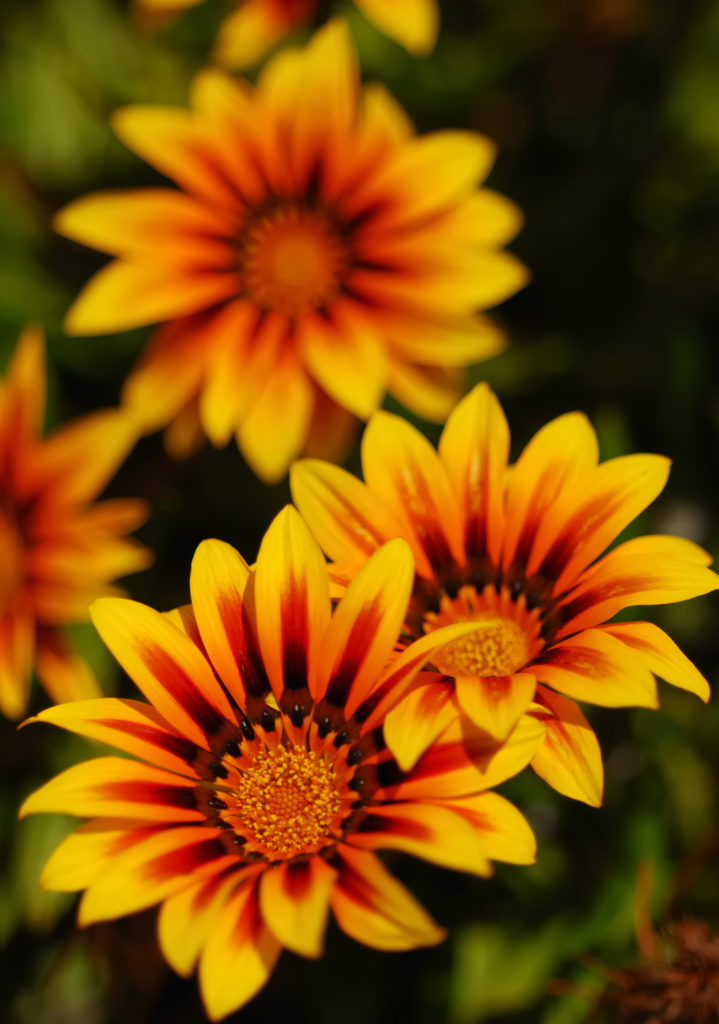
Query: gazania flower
[(58, 552), (516, 549), (262, 785), (257, 25), (319, 255)]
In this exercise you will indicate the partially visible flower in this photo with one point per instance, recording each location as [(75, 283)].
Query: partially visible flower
[(263, 785), (257, 25), (58, 551), (320, 255), (516, 550)]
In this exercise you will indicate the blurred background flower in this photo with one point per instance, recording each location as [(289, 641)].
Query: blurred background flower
[(605, 118)]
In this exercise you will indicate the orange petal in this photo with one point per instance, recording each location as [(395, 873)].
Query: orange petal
[(124, 295), (178, 145), (116, 787), (641, 571), (374, 908), (427, 391), (25, 393), (164, 863), (474, 448), (186, 919), (365, 626), (127, 725), (505, 833), (239, 955), (150, 224), (569, 759), (661, 655), (165, 665), (248, 33), (557, 453), (590, 512), (413, 23), (348, 363), (346, 518), (433, 832), (495, 704), (169, 373), (217, 582), (292, 602), (81, 858), (598, 668), (17, 650), (275, 429), (294, 900), (419, 718), (467, 760), (402, 467), (81, 457)]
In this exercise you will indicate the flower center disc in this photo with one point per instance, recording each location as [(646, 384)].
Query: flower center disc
[(498, 648), (285, 802), (294, 261), (11, 561), (504, 641)]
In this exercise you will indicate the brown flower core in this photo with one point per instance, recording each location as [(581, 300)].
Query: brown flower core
[(293, 260), (286, 801), (505, 640), (11, 561)]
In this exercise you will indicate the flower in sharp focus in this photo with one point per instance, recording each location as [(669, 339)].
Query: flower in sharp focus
[(257, 25), (519, 551), (319, 255), (58, 551), (263, 785)]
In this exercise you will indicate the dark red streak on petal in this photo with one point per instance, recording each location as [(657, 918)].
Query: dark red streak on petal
[(361, 635), (183, 861), (148, 793), (295, 631), (180, 747), (183, 689)]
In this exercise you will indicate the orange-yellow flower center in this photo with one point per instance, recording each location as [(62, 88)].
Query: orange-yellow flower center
[(11, 561), (293, 261), (504, 641), (286, 801)]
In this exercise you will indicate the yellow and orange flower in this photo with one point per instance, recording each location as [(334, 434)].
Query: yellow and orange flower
[(320, 255), (58, 552), (516, 550), (256, 26), (262, 786)]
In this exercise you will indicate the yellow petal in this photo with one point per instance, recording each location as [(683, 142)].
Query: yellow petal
[(596, 667), (294, 900), (569, 759), (217, 582), (474, 448), (413, 23), (124, 295), (661, 655), (292, 603), (238, 957), (506, 834), (374, 908), (166, 666), (495, 704), (418, 719)]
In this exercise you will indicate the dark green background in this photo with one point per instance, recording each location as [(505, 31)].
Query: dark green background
[(606, 113)]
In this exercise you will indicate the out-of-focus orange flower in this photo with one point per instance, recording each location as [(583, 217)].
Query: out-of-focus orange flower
[(58, 552), (260, 785), (319, 255), (516, 549), (257, 25)]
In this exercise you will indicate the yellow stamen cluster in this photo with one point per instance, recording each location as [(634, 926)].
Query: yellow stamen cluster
[(293, 261), (497, 648), (285, 801)]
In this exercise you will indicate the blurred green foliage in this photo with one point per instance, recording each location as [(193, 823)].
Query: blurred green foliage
[(605, 113)]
